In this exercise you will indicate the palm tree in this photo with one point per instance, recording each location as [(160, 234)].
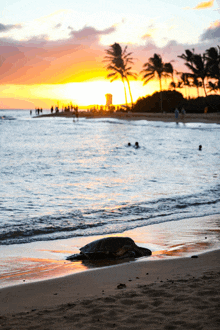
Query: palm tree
[(188, 57), (176, 85), (214, 87), (198, 65), (212, 56), (199, 69), (197, 84), (156, 68), (185, 79), (173, 85), (118, 61)]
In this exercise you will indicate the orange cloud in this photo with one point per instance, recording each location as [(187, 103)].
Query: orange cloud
[(204, 5), (146, 36), (42, 61), (77, 59), (215, 24), (151, 31)]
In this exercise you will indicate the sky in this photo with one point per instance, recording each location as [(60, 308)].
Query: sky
[(53, 51)]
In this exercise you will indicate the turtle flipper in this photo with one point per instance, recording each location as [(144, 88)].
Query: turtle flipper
[(78, 256)]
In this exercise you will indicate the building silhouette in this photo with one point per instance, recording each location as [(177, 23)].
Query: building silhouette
[(108, 99)]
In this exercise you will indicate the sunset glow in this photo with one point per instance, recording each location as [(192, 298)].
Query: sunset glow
[(57, 53)]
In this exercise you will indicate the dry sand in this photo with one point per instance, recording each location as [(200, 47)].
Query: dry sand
[(166, 117), (168, 294)]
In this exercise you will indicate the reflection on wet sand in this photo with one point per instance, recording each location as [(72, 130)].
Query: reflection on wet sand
[(35, 269), (46, 260), (179, 251)]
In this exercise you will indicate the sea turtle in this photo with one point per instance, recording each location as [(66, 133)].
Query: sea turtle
[(110, 248)]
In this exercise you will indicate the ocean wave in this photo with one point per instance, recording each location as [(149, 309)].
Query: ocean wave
[(112, 220)]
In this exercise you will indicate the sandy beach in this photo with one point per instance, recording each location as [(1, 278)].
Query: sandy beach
[(163, 294), (166, 117)]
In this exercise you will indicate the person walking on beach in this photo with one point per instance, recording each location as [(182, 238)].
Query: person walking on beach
[(176, 113), (183, 112)]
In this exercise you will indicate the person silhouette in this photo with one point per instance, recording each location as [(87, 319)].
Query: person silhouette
[(176, 112), (136, 145)]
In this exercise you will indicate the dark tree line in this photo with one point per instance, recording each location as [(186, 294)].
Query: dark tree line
[(203, 70)]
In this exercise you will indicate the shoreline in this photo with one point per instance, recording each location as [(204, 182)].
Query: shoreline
[(43, 260), (161, 293), (209, 118), (176, 288)]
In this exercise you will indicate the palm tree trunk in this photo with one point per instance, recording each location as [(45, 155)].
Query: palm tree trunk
[(129, 88), (203, 83), (126, 100), (161, 95)]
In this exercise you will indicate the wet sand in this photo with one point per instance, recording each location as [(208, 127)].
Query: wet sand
[(39, 261), (163, 294), (177, 288), (166, 117)]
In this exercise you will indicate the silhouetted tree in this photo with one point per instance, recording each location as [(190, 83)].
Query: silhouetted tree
[(198, 65), (176, 85), (212, 56), (214, 87), (197, 84), (188, 56), (155, 68), (119, 64), (149, 103)]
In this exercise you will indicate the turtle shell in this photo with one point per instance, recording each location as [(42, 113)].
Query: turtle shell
[(108, 245)]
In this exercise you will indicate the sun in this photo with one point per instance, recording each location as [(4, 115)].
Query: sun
[(83, 94), (93, 92)]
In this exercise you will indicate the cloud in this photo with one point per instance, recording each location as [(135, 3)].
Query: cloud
[(169, 52), (146, 36), (150, 32), (205, 4), (212, 33), (42, 61), (57, 25), (6, 28), (90, 34), (78, 58)]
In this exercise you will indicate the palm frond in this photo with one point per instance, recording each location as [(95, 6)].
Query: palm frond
[(148, 79), (131, 74)]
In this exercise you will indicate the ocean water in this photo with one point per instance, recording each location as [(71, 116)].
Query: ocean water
[(61, 179)]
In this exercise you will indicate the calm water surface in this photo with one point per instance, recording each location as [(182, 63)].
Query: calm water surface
[(62, 179)]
